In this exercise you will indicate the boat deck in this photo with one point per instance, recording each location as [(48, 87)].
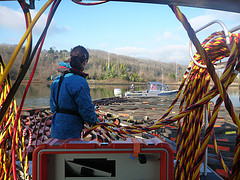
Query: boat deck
[(138, 111)]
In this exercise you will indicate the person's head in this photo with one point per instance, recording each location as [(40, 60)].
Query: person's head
[(79, 58)]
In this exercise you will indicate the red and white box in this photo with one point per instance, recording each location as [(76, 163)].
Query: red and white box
[(133, 159)]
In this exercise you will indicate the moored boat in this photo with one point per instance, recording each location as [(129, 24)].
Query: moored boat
[(154, 89)]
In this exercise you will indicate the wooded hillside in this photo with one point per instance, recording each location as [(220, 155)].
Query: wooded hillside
[(124, 67)]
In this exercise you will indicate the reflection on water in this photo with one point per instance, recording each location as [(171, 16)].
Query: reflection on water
[(234, 95), (106, 91), (38, 94)]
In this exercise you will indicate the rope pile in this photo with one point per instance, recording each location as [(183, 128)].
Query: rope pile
[(6, 133), (195, 96), (11, 128), (220, 85)]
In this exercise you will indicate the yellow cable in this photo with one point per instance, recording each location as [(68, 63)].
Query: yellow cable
[(7, 69), (29, 41)]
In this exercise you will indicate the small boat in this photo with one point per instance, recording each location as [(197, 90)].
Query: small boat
[(154, 89), (117, 92)]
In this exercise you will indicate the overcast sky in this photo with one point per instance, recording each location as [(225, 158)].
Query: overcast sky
[(134, 29)]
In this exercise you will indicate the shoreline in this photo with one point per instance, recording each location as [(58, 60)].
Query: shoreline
[(109, 82), (119, 81)]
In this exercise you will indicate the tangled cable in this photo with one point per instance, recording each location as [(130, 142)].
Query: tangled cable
[(9, 114), (195, 97)]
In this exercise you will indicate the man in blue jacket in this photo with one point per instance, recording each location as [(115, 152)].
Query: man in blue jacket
[(70, 99)]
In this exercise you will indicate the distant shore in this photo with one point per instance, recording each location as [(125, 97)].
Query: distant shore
[(117, 81)]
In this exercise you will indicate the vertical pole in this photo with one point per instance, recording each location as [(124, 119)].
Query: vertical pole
[(162, 75), (206, 151), (108, 60), (176, 73)]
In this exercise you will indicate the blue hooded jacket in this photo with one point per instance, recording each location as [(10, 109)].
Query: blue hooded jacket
[(74, 95)]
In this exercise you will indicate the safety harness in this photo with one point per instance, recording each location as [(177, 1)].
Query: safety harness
[(67, 111)]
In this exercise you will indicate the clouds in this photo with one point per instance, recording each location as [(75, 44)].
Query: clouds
[(168, 46), (168, 53), (163, 38), (168, 36), (228, 18), (14, 20), (11, 19), (54, 28), (165, 46), (173, 45), (131, 51)]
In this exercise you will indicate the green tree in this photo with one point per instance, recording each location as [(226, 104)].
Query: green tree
[(51, 50), (101, 77), (172, 76), (95, 76), (125, 77)]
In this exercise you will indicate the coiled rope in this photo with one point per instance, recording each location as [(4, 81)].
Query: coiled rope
[(18, 149), (196, 95), (6, 130)]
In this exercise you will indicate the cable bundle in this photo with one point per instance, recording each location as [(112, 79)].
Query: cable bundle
[(196, 96), (16, 139), (6, 130), (220, 86)]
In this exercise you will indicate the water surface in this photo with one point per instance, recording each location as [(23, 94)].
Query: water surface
[(38, 94)]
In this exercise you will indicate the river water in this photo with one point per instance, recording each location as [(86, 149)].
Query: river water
[(38, 94)]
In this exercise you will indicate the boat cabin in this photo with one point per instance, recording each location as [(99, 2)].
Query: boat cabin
[(155, 87)]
